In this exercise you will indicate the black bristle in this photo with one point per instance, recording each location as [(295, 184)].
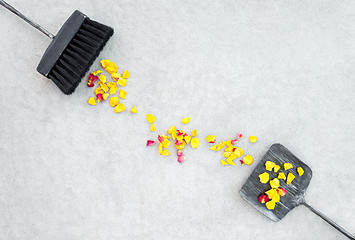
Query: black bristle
[(78, 55)]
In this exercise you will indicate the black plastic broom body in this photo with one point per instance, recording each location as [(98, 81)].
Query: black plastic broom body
[(72, 51)]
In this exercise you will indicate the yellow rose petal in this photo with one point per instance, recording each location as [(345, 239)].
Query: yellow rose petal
[(165, 143), (220, 146), (134, 109), (111, 67), (160, 148), (104, 62), (238, 152), (171, 129), (211, 139), (290, 178), (126, 74), (275, 183), (119, 108), (113, 101), (213, 148), (103, 87), (165, 153), (276, 168), (102, 78), (150, 118), (122, 82), (152, 127), (230, 161), (195, 142), (115, 76), (224, 163), (185, 120), (288, 166), (276, 198), (105, 96), (270, 204), (269, 165), (96, 72), (187, 139), (271, 193), (123, 94), (92, 101), (300, 171), (248, 160), (226, 154), (281, 176), (253, 139), (98, 90), (194, 133), (264, 177)]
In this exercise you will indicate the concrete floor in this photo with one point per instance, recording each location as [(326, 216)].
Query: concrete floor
[(284, 72)]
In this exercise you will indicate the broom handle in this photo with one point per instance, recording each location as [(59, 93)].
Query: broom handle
[(35, 25), (331, 222)]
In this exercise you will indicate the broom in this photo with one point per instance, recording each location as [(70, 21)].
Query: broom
[(72, 51)]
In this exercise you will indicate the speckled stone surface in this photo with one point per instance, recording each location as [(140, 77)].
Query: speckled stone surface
[(283, 71)]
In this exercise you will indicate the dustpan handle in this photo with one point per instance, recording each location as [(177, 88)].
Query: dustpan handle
[(331, 222), (35, 25)]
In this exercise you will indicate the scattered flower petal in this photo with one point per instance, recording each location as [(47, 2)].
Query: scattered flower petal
[(253, 139), (264, 177), (213, 148), (195, 142), (248, 159), (282, 192), (122, 94), (300, 171), (230, 161), (113, 101), (194, 133), (263, 198), (224, 163), (234, 141), (126, 74), (290, 178), (105, 96), (269, 165), (96, 72), (281, 176), (181, 159), (288, 166), (99, 97), (134, 109), (115, 76), (276, 168), (179, 153), (119, 108), (275, 183), (238, 152), (211, 139), (171, 129), (152, 127), (185, 120), (150, 118), (121, 81), (92, 101), (102, 78), (165, 153), (240, 135), (270, 205), (150, 142)]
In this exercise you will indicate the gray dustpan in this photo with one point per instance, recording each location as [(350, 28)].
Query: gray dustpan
[(253, 188)]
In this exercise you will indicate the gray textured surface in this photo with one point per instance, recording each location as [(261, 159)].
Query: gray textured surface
[(281, 71)]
